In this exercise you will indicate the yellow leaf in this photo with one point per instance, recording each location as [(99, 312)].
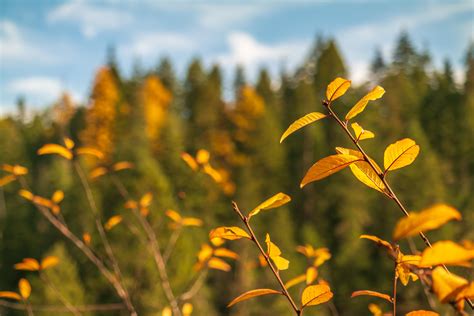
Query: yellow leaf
[(315, 295), (187, 309), (400, 154), (274, 253), (253, 293), (16, 170), (360, 133), (98, 172), (296, 280), (321, 255), (374, 94), (277, 200), (28, 264), (280, 262), (447, 286), (311, 275), (202, 156), (191, 221), (375, 310), (404, 273), (218, 264), (229, 233), (113, 221), (337, 88), (90, 151), (174, 215), (371, 293), (146, 199), (25, 288), (49, 149), (190, 161), (213, 173), (302, 122), (58, 196), (378, 241), (12, 295), (217, 241), (7, 179), (122, 165), (87, 238), (428, 219), (410, 259), (69, 143), (223, 252), (327, 166), (166, 311), (446, 252), (422, 313), (204, 253), (49, 262), (26, 194)]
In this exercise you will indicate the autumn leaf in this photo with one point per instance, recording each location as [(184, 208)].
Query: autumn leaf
[(428, 219), (229, 233), (404, 273), (218, 264), (25, 288), (28, 264), (187, 309), (166, 311), (422, 313), (226, 253), (7, 179), (112, 222), (447, 286), (374, 94), (400, 154), (337, 88), (173, 215), (274, 253), (58, 196), (202, 156), (311, 275), (16, 170), (302, 122), (327, 166), (371, 293), (447, 253), (69, 143), (378, 241), (191, 221), (315, 295), (49, 149), (204, 253), (361, 133), (90, 151), (296, 280), (277, 200), (122, 165), (49, 262), (253, 293), (11, 295), (146, 199), (190, 161), (97, 172), (87, 238)]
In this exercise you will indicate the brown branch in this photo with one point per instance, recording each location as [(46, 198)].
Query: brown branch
[(59, 308), (382, 178), (172, 243), (61, 297), (195, 287), (285, 292)]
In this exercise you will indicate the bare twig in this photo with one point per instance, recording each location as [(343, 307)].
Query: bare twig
[(56, 291), (171, 243), (195, 286), (285, 292)]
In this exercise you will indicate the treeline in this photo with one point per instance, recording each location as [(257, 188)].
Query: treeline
[(151, 118)]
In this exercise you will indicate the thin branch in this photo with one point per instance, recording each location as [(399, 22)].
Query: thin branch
[(172, 243), (195, 287), (382, 178), (56, 291), (285, 292)]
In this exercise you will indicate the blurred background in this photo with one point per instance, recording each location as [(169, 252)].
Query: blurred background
[(144, 81)]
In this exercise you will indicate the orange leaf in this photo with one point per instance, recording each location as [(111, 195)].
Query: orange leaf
[(202, 156), (122, 165), (218, 264), (7, 179), (315, 295), (190, 161), (223, 252), (446, 252), (400, 154), (25, 288), (371, 293), (422, 313), (447, 286), (327, 166), (112, 222), (49, 149), (374, 94), (229, 233), (28, 264), (302, 122), (12, 295), (49, 262), (337, 88), (253, 293), (377, 240), (277, 200), (90, 151), (97, 172), (296, 280), (58, 196), (174, 216)]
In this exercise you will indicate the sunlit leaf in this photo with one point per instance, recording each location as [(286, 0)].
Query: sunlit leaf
[(321, 255), (28, 264), (69, 143), (428, 219), (274, 253), (302, 122), (16, 170), (87, 238), (146, 199), (58, 196), (375, 310), (374, 94), (98, 172), (187, 309), (337, 88), (218, 264), (26, 194), (11, 295), (49, 262), (190, 161), (205, 253), (372, 293), (311, 275), (296, 280), (122, 165), (90, 151), (226, 253), (404, 273), (422, 313), (213, 173), (202, 156), (447, 253), (378, 241), (315, 295), (174, 215), (7, 179), (191, 221), (327, 166), (217, 241), (49, 149), (25, 288), (229, 233), (400, 154), (277, 200), (253, 293), (447, 286), (166, 311), (360, 133), (112, 222)]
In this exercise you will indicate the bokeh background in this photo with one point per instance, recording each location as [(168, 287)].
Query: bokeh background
[(144, 81)]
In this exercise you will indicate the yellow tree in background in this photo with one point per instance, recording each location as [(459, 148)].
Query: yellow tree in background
[(156, 100), (100, 117)]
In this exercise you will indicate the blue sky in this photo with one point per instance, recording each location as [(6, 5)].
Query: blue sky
[(50, 46)]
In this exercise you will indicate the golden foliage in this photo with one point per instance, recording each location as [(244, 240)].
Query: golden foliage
[(400, 154), (25, 288), (302, 122), (253, 293), (275, 254), (372, 293), (327, 166), (229, 233), (337, 88), (112, 222), (315, 295), (447, 253), (422, 313), (374, 94), (361, 133), (277, 200)]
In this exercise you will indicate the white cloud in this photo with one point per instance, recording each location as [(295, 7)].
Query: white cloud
[(14, 46), (246, 50), (218, 16), (39, 88), (91, 18), (360, 39), (154, 43)]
